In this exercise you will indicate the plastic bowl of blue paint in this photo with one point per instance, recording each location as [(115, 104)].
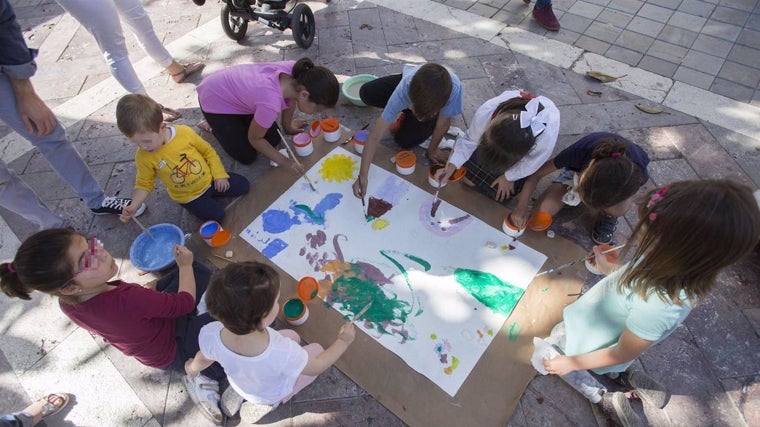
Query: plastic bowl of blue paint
[(157, 252)]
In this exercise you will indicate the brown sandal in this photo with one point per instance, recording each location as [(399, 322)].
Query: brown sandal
[(170, 114), (187, 70)]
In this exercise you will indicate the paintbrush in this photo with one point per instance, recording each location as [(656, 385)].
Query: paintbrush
[(138, 222), (295, 159), (223, 257), (352, 136), (361, 190), (361, 312), (436, 200), (571, 263)]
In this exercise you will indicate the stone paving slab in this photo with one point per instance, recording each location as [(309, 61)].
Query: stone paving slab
[(710, 363)]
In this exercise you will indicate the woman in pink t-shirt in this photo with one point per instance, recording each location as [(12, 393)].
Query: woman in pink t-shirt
[(242, 104)]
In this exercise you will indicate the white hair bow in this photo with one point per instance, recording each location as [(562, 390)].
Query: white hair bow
[(531, 117)]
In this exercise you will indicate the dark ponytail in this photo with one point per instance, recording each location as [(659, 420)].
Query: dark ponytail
[(320, 82), (41, 264), (611, 176), (504, 142)]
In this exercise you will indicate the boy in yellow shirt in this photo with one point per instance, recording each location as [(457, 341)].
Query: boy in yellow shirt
[(187, 165)]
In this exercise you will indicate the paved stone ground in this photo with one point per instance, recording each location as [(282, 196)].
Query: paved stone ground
[(714, 44), (711, 364)]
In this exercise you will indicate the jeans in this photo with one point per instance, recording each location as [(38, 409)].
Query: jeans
[(206, 208), (231, 130)]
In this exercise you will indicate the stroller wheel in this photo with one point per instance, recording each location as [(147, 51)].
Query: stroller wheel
[(234, 26), (199, 2), (303, 25)]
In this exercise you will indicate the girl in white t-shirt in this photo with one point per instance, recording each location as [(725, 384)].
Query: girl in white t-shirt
[(264, 366), (689, 231)]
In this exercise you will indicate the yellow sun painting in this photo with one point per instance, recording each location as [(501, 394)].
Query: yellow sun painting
[(338, 168)]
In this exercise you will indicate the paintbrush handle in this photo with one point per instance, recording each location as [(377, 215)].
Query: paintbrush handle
[(140, 224), (295, 159), (571, 263)]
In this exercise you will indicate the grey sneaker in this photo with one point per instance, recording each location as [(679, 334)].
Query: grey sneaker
[(252, 412), (646, 387), (205, 393), (114, 205), (616, 405), (231, 402)]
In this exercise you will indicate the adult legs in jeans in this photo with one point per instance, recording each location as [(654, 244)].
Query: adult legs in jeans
[(412, 132), (206, 208), (61, 155), (231, 130)]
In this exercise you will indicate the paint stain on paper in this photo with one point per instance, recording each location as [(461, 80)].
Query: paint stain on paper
[(273, 248), (276, 221), (442, 349), (454, 365), (499, 296), (379, 224), (443, 224), (338, 168), (377, 207), (514, 331)]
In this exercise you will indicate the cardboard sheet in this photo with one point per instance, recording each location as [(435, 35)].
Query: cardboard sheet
[(491, 392)]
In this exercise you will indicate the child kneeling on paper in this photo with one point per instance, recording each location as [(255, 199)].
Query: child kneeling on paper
[(187, 165), (264, 366)]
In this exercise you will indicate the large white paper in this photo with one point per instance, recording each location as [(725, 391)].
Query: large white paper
[(441, 287)]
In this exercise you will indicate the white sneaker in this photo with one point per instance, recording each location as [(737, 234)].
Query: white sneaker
[(205, 393)]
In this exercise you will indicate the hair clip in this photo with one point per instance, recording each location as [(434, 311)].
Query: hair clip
[(526, 95), (531, 117), (11, 268), (615, 154)]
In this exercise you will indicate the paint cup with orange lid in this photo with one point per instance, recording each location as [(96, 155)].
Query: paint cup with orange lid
[(611, 256), (213, 234), (510, 229), (405, 162), (456, 176), (303, 145), (540, 221), (295, 310), (315, 128), (331, 128)]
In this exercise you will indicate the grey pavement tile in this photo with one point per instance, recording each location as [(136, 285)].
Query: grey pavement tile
[(677, 362), (544, 79), (744, 392), (483, 10), (693, 77), (332, 384), (712, 45), (428, 31), (564, 5), (746, 5), (582, 85), (678, 36), (13, 398), (756, 99), (329, 18), (696, 7), (599, 2), (754, 21), (753, 314), (340, 41), (563, 35), (460, 4), (627, 6), (476, 91), (745, 56), (467, 68), (549, 400), (586, 9), (624, 115), (721, 30), (626, 56), (634, 41), (366, 27), (706, 156), (749, 38), (645, 26), (655, 13), (730, 15), (614, 17), (670, 4), (668, 52), (663, 172), (687, 21), (447, 50), (495, 3), (363, 410), (583, 119), (743, 149), (703, 62), (575, 23), (604, 32), (518, 417), (658, 66), (732, 90), (397, 27), (514, 17), (656, 141)]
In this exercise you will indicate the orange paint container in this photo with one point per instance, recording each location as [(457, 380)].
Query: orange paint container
[(611, 257), (540, 221), (405, 162), (315, 129), (308, 287), (510, 229), (302, 142), (456, 176), (331, 128), (213, 234)]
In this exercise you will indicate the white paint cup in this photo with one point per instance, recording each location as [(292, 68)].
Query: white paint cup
[(302, 142)]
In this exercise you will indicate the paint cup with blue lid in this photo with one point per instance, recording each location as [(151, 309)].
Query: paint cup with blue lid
[(359, 139), (213, 234)]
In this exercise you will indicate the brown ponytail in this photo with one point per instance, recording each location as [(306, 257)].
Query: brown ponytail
[(611, 176), (320, 82), (41, 264)]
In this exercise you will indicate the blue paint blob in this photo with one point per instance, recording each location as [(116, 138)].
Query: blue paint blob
[(273, 248), (209, 228), (157, 253), (277, 221)]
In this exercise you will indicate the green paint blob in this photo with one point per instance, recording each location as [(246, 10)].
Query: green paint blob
[(433, 336), (491, 291), (490, 332), (545, 289), (420, 261), (514, 331), (353, 294), (293, 308), (316, 219)]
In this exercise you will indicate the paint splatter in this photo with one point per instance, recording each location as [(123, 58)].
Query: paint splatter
[(379, 224), (276, 221), (273, 248), (338, 168), (377, 207), (514, 331), (454, 365), (499, 296), (545, 289), (316, 240), (443, 225), (433, 336)]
